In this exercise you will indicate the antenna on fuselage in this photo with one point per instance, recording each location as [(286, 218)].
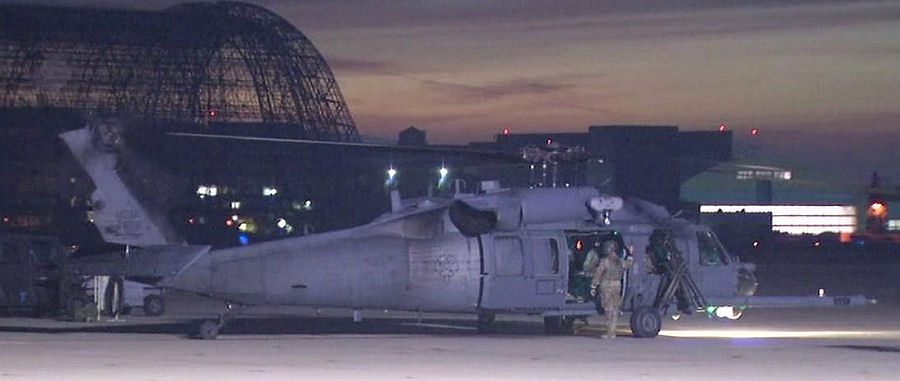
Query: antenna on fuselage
[(395, 201), (603, 206)]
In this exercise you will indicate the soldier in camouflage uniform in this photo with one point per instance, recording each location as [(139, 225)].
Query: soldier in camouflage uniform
[(608, 277)]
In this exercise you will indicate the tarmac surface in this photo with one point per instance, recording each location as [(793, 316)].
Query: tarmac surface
[(274, 344)]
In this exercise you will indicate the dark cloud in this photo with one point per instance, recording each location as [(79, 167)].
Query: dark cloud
[(514, 87), (593, 108), (495, 90), (350, 66)]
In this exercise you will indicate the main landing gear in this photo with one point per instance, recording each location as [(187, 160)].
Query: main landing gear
[(486, 321), (559, 325), (645, 322)]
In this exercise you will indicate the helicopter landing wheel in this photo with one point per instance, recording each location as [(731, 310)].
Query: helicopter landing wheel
[(645, 322)]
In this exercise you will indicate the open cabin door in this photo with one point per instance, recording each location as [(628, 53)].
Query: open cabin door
[(522, 271)]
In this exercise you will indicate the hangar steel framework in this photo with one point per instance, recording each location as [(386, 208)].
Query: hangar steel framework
[(191, 63)]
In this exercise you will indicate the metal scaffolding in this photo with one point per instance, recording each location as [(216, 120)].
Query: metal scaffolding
[(192, 63)]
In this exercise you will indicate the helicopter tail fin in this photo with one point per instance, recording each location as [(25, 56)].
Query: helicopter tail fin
[(117, 212)]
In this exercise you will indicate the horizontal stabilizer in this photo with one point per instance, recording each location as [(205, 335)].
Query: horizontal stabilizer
[(155, 262)]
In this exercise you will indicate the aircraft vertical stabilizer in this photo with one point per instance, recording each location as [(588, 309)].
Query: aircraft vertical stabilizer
[(118, 215)]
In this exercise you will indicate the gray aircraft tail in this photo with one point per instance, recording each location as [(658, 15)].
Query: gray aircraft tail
[(117, 212)]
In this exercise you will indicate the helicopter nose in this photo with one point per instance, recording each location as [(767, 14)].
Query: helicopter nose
[(746, 282)]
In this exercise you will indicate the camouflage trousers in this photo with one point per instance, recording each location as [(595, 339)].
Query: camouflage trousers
[(611, 300)]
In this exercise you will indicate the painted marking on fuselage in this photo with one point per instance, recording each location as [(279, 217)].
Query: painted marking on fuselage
[(446, 267)]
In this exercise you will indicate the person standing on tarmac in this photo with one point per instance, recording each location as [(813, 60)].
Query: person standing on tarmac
[(608, 277)]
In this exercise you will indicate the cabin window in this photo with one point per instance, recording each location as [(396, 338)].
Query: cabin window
[(546, 257), (508, 255), (554, 256), (711, 252), (10, 254)]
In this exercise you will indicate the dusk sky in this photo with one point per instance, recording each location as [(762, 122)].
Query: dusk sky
[(464, 69)]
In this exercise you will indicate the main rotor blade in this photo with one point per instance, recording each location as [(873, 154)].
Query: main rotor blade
[(490, 155)]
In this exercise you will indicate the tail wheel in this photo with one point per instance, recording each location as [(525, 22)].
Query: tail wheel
[(76, 303), (207, 330), (645, 322)]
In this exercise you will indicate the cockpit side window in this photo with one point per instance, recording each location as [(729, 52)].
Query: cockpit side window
[(711, 252), (509, 257)]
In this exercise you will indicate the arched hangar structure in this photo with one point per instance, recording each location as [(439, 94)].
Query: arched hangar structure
[(191, 63)]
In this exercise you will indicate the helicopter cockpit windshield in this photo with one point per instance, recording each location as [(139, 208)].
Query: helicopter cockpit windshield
[(711, 251)]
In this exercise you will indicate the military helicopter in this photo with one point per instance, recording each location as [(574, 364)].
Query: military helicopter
[(488, 252)]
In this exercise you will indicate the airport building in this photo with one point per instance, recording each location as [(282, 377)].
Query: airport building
[(796, 219)]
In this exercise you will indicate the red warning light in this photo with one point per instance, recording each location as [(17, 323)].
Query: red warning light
[(878, 209), (6, 219), (754, 132), (229, 222), (506, 131), (579, 245), (549, 141), (723, 127), (212, 113)]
